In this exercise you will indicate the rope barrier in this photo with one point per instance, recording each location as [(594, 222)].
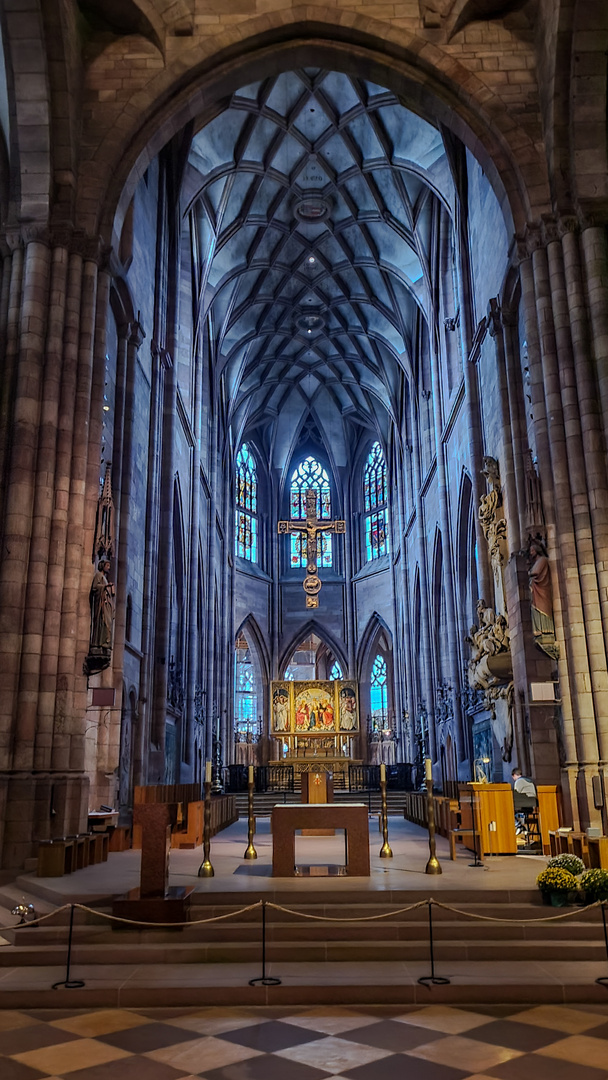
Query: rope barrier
[(172, 925), (427, 902), (516, 922), (361, 918)]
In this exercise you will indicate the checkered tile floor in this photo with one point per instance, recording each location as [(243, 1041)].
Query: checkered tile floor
[(548, 1042)]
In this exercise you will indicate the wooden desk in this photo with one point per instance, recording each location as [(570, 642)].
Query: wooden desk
[(352, 817), (491, 804)]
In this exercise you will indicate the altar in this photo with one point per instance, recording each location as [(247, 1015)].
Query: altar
[(316, 726), (287, 819)]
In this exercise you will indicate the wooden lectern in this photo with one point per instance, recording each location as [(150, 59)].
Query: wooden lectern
[(489, 809)]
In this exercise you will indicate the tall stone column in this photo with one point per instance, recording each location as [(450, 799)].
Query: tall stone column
[(59, 518), (349, 599), (20, 478), (44, 495), (448, 577), (581, 684), (10, 316), (595, 254), (425, 636), (67, 754)]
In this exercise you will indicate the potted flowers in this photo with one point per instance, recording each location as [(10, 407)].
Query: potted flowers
[(557, 885), (595, 885), (569, 862)]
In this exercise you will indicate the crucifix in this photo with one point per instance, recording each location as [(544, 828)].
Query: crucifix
[(310, 528)]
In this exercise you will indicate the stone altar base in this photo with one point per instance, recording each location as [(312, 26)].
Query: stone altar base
[(172, 907)]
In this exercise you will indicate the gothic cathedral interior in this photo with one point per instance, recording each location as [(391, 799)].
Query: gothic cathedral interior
[(304, 340)]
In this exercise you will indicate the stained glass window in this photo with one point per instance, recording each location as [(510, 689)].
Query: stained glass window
[(375, 498), (379, 692), (246, 524), (336, 671), (245, 697), (310, 474)]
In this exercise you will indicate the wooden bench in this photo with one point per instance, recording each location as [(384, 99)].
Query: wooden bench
[(55, 857)]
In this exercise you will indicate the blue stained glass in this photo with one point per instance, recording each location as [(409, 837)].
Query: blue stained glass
[(379, 690), (336, 671), (245, 696), (375, 498), (246, 524), (310, 474)]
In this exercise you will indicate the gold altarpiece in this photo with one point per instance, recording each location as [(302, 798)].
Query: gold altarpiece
[(315, 724)]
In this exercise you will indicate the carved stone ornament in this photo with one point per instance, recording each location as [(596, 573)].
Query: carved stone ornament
[(494, 526), (490, 664)]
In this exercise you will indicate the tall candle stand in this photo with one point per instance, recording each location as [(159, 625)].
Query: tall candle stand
[(386, 850), (250, 853), (206, 869), (433, 866)]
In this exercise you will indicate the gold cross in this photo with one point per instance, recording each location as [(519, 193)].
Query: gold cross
[(310, 527)]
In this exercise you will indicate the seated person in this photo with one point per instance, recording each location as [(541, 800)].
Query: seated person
[(522, 785), (524, 798)]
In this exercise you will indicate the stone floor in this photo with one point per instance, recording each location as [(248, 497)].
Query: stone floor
[(404, 871), (433, 1043), (389, 982)]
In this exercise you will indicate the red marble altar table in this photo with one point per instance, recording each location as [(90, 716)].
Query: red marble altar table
[(287, 819)]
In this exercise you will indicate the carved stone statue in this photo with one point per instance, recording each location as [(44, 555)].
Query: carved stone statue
[(492, 520), (101, 602), (541, 598), (490, 662)]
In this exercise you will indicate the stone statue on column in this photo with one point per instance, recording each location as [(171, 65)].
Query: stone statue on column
[(101, 593), (541, 597)]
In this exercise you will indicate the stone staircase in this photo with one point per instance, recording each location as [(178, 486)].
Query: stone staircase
[(293, 939)]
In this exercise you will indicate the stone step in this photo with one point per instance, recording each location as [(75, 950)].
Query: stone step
[(103, 934), (305, 951)]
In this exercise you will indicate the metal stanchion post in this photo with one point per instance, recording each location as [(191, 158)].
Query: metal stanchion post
[(436, 980), (264, 979), (250, 852), (70, 984), (477, 862), (603, 980), (433, 866), (385, 850), (206, 869)]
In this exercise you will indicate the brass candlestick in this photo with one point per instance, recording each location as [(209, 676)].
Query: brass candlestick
[(250, 853), (433, 866), (385, 850), (206, 869)]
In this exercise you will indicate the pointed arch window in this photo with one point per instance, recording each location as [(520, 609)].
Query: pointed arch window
[(379, 692), (246, 522), (245, 691), (375, 499), (336, 671), (310, 474)]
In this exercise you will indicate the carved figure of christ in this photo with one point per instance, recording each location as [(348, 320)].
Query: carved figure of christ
[(311, 527)]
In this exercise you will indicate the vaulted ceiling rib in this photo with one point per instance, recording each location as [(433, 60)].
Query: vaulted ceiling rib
[(313, 196)]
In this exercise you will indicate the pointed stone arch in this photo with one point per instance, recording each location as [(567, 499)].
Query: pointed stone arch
[(123, 146), (313, 627)]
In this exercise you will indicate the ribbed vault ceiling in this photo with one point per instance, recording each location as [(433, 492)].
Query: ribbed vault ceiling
[(313, 198)]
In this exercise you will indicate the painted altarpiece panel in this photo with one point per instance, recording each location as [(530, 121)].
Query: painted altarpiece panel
[(315, 707)]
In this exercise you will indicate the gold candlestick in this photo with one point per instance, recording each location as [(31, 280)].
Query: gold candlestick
[(386, 850), (250, 853), (433, 866), (206, 869)]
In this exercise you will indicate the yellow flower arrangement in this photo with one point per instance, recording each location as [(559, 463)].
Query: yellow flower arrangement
[(556, 879)]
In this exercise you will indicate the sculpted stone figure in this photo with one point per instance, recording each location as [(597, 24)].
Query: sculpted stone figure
[(490, 661), (541, 598), (101, 600)]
